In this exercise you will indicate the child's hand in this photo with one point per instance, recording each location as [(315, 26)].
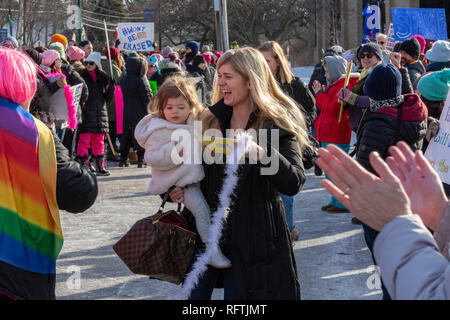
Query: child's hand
[(179, 148), (317, 86), (177, 194)]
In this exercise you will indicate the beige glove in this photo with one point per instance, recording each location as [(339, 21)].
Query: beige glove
[(61, 82), (433, 129)]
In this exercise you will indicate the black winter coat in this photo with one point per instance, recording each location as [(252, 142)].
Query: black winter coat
[(136, 91), (76, 188), (383, 129), (299, 91), (256, 237), (319, 75), (94, 113), (415, 70), (74, 78)]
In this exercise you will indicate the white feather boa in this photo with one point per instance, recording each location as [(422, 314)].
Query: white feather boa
[(219, 216)]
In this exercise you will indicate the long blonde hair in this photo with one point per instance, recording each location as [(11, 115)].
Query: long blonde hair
[(265, 94), (284, 72), (174, 87)]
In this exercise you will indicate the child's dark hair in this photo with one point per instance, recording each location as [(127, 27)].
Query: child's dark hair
[(174, 87)]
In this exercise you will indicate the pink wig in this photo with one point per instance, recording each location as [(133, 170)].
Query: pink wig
[(18, 76), (422, 42)]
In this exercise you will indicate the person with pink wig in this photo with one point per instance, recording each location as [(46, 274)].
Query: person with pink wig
[(37, 179)]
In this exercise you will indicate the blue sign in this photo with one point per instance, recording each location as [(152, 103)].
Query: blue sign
[(149, 15), (3, 34), (372, 23), (429, 23)]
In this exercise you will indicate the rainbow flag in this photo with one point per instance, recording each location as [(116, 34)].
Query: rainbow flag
[(30, 230)]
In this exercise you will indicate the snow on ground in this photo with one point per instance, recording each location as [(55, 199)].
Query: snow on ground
[(303, 73)]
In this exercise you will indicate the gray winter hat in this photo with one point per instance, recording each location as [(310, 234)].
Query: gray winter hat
[(440, 52), (337, 67), (95, 57)]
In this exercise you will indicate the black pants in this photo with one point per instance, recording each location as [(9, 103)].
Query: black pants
[(370, 235), (113, 134), (128, 140)]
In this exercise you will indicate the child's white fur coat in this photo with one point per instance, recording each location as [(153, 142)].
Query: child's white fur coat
[(154, 135)]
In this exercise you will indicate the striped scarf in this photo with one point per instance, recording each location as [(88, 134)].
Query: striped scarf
[(30, 230)]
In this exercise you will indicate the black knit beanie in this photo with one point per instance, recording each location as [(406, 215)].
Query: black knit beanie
[(384, 82), (411, 47), (371, 47)]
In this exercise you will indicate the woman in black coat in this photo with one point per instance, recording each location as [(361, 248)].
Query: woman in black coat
[(299, 91), (95, 116), (256, 237), (136, 98)]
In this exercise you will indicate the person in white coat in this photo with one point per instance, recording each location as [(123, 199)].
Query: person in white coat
[(175, 107), (414, 264)]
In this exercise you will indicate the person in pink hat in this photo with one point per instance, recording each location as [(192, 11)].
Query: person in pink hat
[(76, 58)]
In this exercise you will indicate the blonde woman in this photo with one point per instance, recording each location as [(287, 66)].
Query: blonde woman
[(175, 106), (256, 238), (297, 90)]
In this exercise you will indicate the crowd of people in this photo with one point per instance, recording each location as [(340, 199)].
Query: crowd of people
[(391, 101)]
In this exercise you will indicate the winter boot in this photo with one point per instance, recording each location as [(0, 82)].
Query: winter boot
[(101, 164), (217, 260), (90, 164)]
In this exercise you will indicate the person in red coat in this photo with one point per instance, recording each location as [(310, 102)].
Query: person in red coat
[(328, 128)]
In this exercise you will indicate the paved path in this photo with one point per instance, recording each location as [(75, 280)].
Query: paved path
[(332, 259)]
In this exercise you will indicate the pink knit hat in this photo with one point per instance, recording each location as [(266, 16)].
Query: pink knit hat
[(49, 56), (166, 51), (75, 53), (422, 42), (207, 57)]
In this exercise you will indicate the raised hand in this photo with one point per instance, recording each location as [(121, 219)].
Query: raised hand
[(420, 182), (374, 200)]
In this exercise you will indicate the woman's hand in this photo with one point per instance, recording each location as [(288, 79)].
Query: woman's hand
[(374, 200), (177, 194), (433, 129), (254, 151), (61, 82), (396, 59), (344, 95), (420, 182)]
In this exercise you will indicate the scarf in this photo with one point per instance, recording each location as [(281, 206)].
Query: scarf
[(30, 230), (394, 102)]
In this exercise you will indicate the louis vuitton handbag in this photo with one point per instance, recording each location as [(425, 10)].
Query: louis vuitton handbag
[(159, 246)]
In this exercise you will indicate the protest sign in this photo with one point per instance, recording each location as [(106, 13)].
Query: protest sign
[(76, 94), (438, 151), (390, 44), (372, 23), (429, 23), (3, 34), (136, 36)]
